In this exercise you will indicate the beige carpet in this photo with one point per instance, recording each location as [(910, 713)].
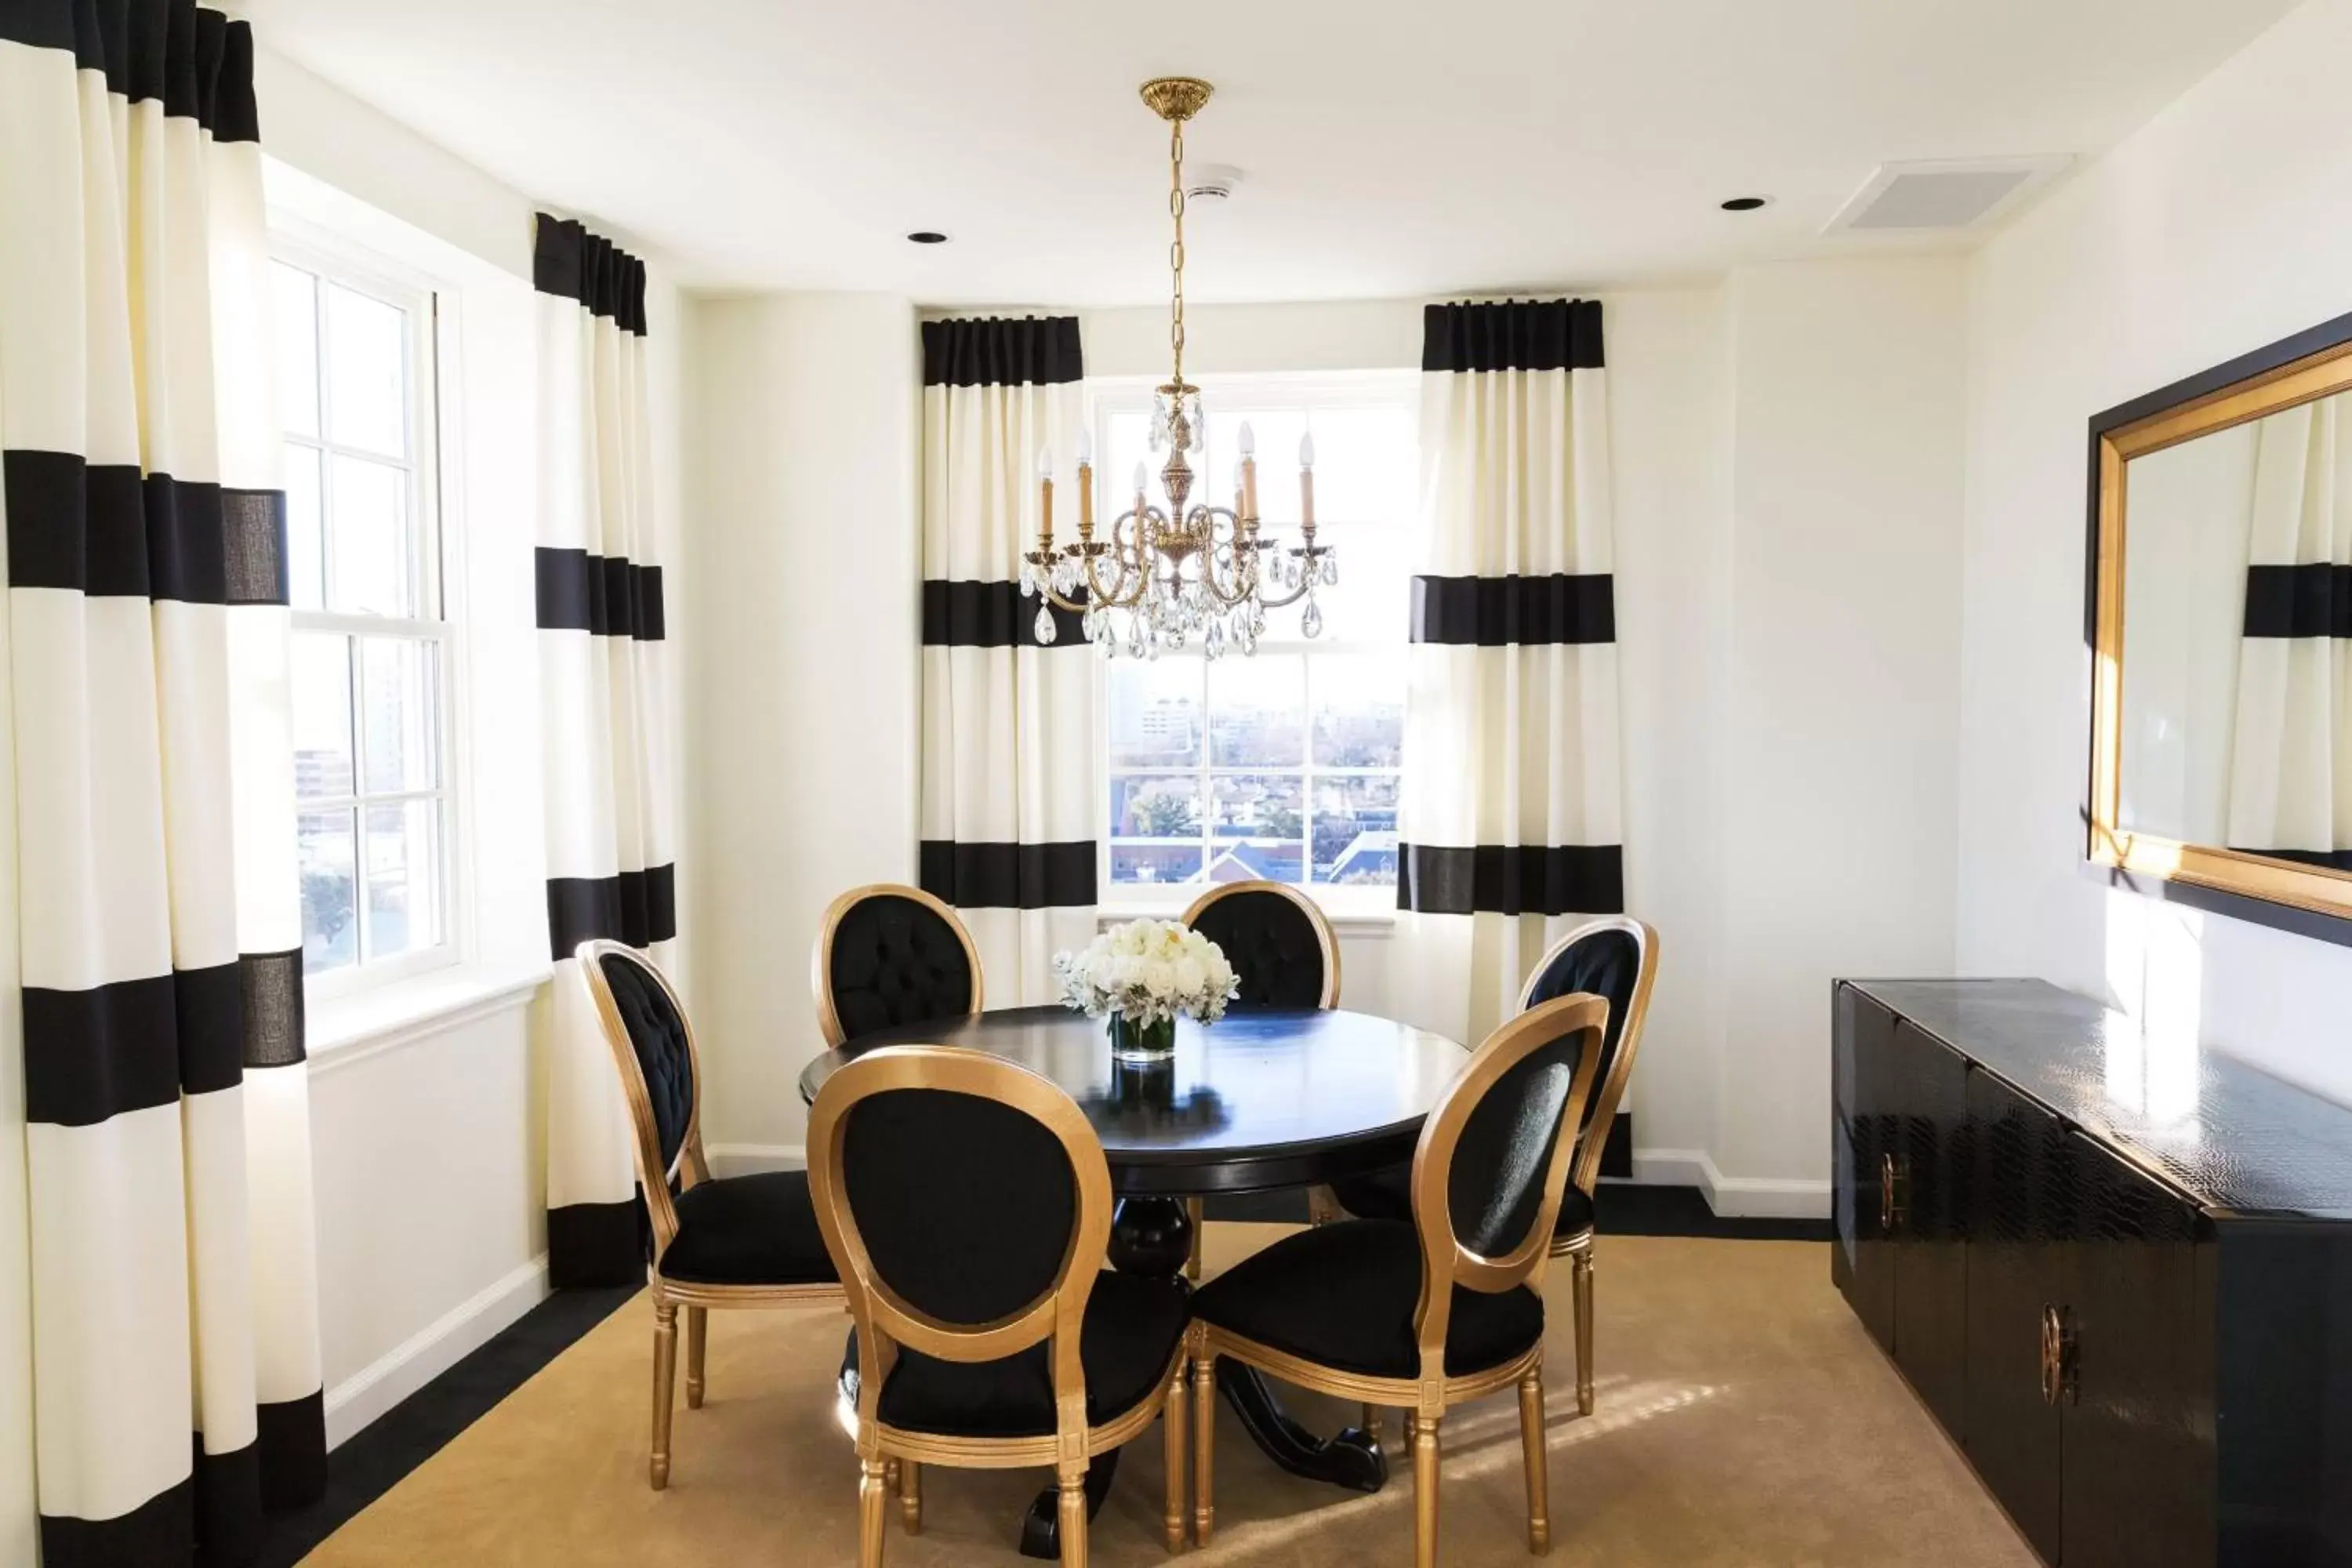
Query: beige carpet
[(1743, 1418)]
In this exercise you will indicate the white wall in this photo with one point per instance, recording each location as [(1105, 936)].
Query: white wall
[(2219, 227), (804, 685)]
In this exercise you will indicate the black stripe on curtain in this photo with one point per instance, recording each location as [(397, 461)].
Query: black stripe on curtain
[(590, 1245), (134, 1045), (605, 594), (108, 530), (196, 60), (1000, 876), (1512, 880), (998, 351), (639, 908), (157, 1530), (1500, 612), (2313, 600), (572, 260), (993, 615), (1513, 334)]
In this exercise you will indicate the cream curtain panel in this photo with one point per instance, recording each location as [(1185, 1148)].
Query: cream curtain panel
[(602, 651), (1009, 730), (1509, 817), (2291, 757), (159, 925)]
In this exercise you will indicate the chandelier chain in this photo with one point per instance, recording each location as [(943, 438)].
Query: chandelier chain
[(1176, 246)]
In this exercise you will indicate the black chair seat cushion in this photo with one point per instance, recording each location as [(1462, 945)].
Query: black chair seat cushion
[(1388, 1194), (749, 1230), (1130, 1333), (1342, 1295)]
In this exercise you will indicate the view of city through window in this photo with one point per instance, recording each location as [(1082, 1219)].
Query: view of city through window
[(1285, 765), (369, 655)]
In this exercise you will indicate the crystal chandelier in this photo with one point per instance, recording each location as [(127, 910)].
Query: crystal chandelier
[(1169, 573)]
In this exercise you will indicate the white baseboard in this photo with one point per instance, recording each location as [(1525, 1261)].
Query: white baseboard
[(1732, 1197), (431, 1350), (749, 1158)]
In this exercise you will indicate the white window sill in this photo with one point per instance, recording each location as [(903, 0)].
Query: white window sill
[(1369, 923), (354, 1026)]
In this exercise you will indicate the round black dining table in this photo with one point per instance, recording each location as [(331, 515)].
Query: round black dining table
[(1266, 1098)]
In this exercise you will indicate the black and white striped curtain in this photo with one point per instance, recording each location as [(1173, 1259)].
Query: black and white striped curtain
[(606, 718), (1509, 817), (159, 940), (2291, 757), (1008, 749)]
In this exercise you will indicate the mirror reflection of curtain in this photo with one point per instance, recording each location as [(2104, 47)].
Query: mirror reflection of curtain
[(2291, 762)]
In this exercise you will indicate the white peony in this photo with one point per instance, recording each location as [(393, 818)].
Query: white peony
[(1148, 971)]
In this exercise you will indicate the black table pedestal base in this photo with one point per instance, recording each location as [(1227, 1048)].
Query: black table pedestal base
[(1154, 1236)]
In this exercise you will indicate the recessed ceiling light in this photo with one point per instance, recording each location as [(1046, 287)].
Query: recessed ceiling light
[(927, 237), (1743, 204)]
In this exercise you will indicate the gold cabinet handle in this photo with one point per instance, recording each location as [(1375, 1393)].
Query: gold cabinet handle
[(2070, 1358), (1886, 1195), (2053, 1332)]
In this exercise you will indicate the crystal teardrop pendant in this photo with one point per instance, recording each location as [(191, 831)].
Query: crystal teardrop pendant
[(1028, 579), (1045, 624), (1213, 641), (1311, 622), (1135, 636), (1331, 571)]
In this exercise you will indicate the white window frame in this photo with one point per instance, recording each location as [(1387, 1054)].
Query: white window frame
[(335, 259), (1272, 390)]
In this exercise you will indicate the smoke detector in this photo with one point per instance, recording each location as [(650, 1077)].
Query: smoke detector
[(1211, 182), (1946, 193)]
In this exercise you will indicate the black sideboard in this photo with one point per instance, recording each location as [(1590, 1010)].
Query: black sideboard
[(2118, 1273)]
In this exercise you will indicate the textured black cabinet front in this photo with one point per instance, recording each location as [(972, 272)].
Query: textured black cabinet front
[(2118, 1271)]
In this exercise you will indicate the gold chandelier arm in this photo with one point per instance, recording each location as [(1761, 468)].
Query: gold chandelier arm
[(1134, 575), (1244, 568)]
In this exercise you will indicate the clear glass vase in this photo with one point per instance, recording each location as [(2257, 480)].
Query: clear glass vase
[(1132, 1042)]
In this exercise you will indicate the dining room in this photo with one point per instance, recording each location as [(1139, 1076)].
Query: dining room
[(922, 785)]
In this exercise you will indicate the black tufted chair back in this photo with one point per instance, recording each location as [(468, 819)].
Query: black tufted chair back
[(1605, 962), (966, 1205), (657, 1035), (1496, 1186), (1274, 942), (893, 957)]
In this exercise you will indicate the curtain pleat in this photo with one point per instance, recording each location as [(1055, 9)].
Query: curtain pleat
[(1008, 738), (174, 1302), (2291, 753), (611, 868), (1508, 815)]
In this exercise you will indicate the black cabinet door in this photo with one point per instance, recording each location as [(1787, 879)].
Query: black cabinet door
[(2139, 1459), (2016, 1205), (1864, 1143), (1927, 1087)]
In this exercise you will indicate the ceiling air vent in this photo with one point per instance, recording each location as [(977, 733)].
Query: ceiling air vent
[(1959, 193)]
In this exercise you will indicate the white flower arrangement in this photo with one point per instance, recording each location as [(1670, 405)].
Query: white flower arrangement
[(1147, 972)]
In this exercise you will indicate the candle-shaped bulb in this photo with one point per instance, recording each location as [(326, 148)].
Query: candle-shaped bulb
[(1044, 462), (1138, 479), (1306, 450), (1085, 448), (1247, 440)]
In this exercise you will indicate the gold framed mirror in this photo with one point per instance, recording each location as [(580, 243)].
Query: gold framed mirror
[(2220, 625)]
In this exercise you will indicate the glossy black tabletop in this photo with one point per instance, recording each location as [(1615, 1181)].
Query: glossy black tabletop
[(1267, 1098)]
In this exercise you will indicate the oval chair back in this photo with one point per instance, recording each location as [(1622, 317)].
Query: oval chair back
[(1492, 1163), (966, 1202), (1615, 958), (652, 1042), (888, 954), (1277, 939)]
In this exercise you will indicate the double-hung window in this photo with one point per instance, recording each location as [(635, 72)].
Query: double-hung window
[(1284, 765), (371, 639)]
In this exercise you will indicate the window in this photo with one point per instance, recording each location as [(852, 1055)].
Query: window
[(370, 646), (1284, 765)]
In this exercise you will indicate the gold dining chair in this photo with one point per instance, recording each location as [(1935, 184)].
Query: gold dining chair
[(886, 953), (732, 1243), (1617, 958), (1443, 1309), (968, 1205)]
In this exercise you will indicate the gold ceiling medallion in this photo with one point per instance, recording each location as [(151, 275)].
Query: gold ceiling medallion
[(1183, 570)]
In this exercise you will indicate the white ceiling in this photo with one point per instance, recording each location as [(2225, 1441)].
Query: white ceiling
[(1392, 148)]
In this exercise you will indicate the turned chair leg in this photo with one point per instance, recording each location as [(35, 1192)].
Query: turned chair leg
[(1171, 1432), (1424, 1492), (1074, 1515), (873, 1503), (1372, 1423), (665, 1380), (698, 1325), (1531, 1449), (1581, 1277), (910, 1495), (1204, 1428), (1195, 1211)]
